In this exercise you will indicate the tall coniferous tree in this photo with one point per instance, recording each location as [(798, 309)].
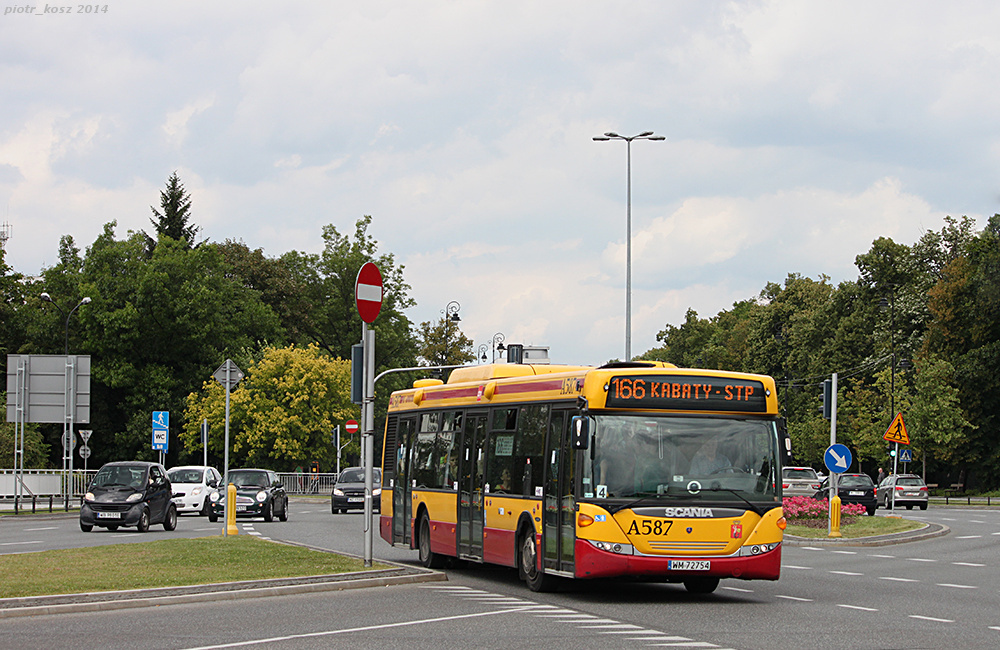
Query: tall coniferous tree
[(171, 220)]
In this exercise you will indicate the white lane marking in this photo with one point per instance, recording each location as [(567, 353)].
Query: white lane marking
[(801, 600), (968, 537), (846, 573), (613, 628), (863, 609), (20, 543), (253, 532), (846, 552), (920, 559), (976, 521), (687, 644), (795, 566), (897, 579), (886, 557), (745, 591), (367, 628), (931, 618), (967, 564), (995, 533), (948, 519), (31, 530), (811, 548), (947, 584), (995, 627)]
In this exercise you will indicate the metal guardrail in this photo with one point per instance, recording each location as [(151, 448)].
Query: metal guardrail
[(296, 483), (967, 500)]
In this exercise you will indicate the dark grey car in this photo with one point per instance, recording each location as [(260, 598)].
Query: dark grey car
[(129, 493), (349, 491)]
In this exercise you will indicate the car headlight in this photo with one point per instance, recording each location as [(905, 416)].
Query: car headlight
[(338, 492), (134, 497), (262, 496), (195, 492), (214, 497), (376, 492), (89, 496)]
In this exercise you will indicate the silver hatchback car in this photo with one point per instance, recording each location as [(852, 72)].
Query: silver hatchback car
[(904, 490)]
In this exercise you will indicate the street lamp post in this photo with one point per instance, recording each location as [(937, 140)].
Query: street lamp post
[(85, 301), (483, 347), (68, 423), (450, 312), (497, 344), (645, 135)]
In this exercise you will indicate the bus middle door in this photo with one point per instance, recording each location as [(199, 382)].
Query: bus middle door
[(470, 489)]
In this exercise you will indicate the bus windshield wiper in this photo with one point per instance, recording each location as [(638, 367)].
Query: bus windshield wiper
[(643, 496), (739, 496)]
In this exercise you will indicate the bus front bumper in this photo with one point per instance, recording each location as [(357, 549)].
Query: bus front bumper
[(592, 562)]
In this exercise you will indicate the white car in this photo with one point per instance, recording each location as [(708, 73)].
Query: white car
[(192, 485)]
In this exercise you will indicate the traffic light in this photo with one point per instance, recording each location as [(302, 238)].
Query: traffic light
[(314, 467), (827, 398)]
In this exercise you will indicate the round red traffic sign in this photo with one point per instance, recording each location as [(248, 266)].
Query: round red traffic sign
[(351, 426), (368, 292)]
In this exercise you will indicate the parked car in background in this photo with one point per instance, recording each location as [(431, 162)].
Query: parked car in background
[(259, 493), (799, 481), (903, 490), (192, 485), (349, 490), (129, 493), (852, 488)]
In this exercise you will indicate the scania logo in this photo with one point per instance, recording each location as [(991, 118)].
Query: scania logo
[(688, 512)]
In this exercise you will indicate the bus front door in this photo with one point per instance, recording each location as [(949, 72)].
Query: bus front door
[(401, 503), (559, 516), (470, 489)]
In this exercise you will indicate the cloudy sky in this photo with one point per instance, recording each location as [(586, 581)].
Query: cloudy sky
[(797, 133)]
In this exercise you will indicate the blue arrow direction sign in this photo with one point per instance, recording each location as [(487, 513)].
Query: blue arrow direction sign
[(161, 430), (837, 458)]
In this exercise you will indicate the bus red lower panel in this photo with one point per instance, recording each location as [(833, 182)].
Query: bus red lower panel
[(385, 527), (594, 563), (498, 546)]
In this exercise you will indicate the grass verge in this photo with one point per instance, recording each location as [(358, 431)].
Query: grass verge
[(164, 563), (861, 527)]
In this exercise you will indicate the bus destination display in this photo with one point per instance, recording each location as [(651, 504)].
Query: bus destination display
[(672, 392)]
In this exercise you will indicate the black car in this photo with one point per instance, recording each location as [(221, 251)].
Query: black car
[(130, 493), (852, 488), (259, 493), (349, 491)]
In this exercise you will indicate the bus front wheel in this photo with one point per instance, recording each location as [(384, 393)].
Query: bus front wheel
[(428, 558), (535, 578)]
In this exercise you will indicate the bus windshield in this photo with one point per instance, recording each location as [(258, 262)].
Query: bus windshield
[(732, 461)]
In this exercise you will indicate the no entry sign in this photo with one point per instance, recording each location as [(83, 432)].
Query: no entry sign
[(351, 426), (368, 292)]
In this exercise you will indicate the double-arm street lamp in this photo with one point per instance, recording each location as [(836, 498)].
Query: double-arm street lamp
[(645, 135), (85, 301)]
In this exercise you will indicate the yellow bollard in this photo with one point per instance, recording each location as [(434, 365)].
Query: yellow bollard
[(231, 528), (835, 517)]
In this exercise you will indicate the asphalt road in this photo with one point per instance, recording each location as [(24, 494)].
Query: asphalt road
[(938, 593)]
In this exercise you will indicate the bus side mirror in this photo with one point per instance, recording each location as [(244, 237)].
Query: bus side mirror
[(581, 432)]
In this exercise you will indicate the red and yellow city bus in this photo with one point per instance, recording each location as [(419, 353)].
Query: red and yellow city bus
[(631, 469)]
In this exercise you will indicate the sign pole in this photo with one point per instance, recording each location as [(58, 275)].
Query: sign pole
[(368, 438), (225, 463)]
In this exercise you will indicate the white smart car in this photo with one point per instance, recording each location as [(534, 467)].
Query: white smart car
[(193, 484)]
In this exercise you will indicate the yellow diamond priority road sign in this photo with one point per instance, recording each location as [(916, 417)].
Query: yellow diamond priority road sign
[(897, 431)]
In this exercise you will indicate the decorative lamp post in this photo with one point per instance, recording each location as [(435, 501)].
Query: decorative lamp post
[(645, 135), (85, 301), (497, 343)]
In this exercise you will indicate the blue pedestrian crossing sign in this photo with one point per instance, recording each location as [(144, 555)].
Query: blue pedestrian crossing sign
[(837, 458), (906, 456), (161, 430)]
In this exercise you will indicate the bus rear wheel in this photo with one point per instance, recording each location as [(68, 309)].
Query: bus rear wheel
[(527, 568), (428, 558), (701, 585)]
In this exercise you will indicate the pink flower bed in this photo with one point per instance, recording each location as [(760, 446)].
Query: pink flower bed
[(809, 508)]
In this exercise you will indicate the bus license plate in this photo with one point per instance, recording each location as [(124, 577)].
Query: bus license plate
[(109, 515), (689, 565)]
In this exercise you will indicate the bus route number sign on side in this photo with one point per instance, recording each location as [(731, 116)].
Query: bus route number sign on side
[(368, 292)]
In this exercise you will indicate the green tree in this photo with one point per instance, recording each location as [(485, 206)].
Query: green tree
[(36, 451), (441, 343), (281, 414), (172, 222)]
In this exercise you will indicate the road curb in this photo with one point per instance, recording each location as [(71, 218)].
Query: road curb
[(104, 601), (929, 531)]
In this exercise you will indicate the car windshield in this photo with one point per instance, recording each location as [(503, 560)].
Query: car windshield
[(121, 476), (794, 473), (728, 460), (856, 481), (357, 475), (185, 475), (248, 479)]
